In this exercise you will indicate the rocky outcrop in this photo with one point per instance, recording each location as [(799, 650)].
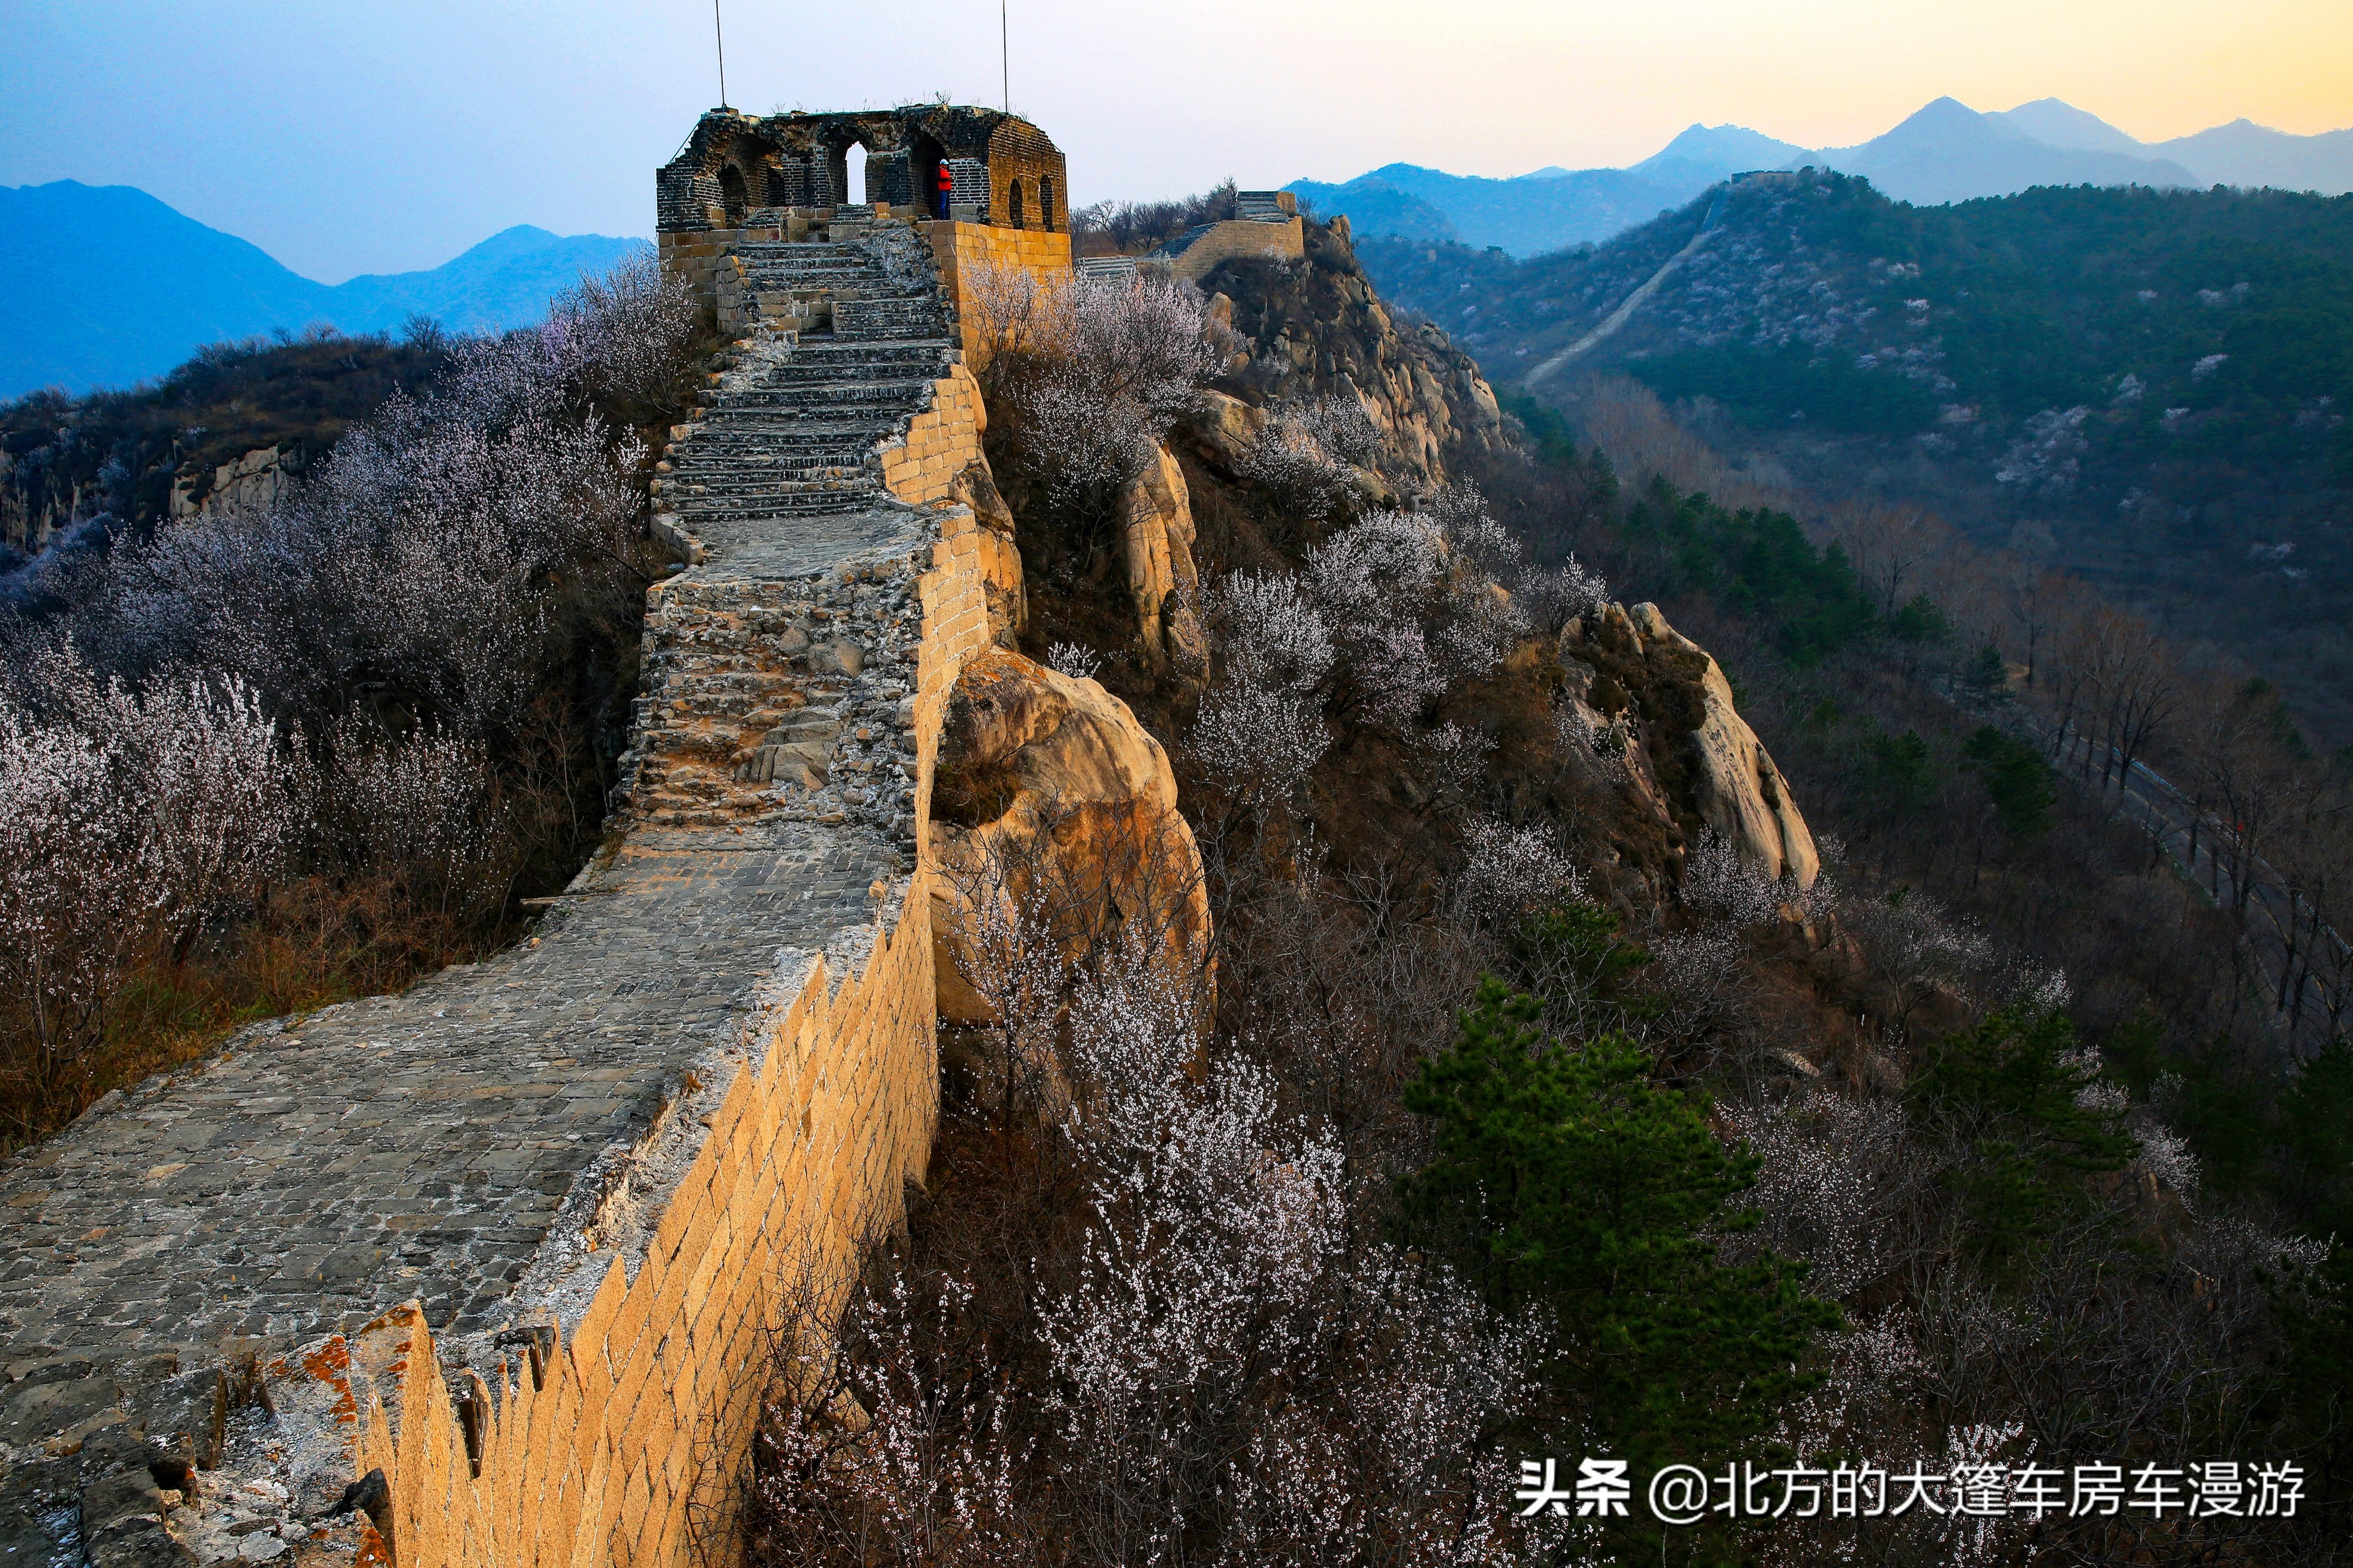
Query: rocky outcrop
[(1741, 795), (1001, 557), (1656, 698), (250, 483), (1321, 330), (1049, 793), (1156, 521)]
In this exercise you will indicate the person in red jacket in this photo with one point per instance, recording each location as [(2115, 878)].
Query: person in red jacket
[(947, 186)]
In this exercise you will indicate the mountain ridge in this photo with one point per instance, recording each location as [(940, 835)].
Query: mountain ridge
[(1947, 152), (2145, 386), (108, 285), (1944, 151)]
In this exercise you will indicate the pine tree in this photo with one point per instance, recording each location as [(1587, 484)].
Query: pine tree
[(1566, 1181)]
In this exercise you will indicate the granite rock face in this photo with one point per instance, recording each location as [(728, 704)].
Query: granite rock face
[(1741, 795), (1008, 599), (1319, 330), (1659, 708), (1155, 520), (1050, 793)]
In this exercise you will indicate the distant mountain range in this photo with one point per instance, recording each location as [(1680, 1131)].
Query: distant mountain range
[(104, 285), (1945, 153)]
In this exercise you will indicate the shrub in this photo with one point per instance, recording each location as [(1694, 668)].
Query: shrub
[(1565, 1181), (351, 710), (126, 824), (1092, 373)]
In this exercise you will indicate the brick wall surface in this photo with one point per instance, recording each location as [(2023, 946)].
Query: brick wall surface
[(605, 1450), (1019, 151), (958, 247), (1240, 238)]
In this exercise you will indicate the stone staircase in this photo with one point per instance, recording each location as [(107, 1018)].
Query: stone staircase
[(772, 688)]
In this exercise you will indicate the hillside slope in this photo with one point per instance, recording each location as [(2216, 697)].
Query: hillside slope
[(104, 285), (2149, 388)]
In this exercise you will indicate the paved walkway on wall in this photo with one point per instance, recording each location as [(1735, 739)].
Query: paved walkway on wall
[(416, 1146), (447, 1143)]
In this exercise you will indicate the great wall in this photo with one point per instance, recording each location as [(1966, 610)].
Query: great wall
[(486, 1273)]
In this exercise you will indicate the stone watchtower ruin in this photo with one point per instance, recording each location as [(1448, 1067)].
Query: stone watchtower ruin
[(978, 184), (485, 1275)]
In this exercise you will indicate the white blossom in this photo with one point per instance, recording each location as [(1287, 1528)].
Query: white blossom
[(1720, 884), (1269, 631), (2048, 456), (126, 820), (1512, 871), (2164, 1154), (1071, 659), (1836, 1171), (1309, 453), (1094, 370), (1260, 725), (1376, 584)]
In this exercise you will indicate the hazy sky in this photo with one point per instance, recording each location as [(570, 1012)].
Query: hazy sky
[(378, 135)]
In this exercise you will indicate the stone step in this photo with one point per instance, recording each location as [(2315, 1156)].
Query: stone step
[(896, 372), (753, 495), (883, 318), (764, 274), (851, 467), (804, 287), (720, 511), (816, 446), (768, 253), (769, 484), (824, 395), (748, 444), (816, 253), (708, 472), (785, 495), (729, 423), (849, 357), (809, 258)]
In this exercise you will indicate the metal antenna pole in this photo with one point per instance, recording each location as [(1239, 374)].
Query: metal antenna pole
[(1004, 51), (719, 32)]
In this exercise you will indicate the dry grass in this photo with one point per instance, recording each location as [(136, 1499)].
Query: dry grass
[(312, 944)]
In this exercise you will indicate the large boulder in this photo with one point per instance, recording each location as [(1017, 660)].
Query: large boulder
[(1155, 517), (1691, 757), (1224, 428), (1740, 793), (1050, 795)]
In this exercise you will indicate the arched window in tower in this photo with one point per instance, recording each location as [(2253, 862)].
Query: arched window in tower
[(1013, 207), (731, 191), (1046, 202)]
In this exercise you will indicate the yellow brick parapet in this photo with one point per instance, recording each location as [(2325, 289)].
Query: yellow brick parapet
[(600, 1447)]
